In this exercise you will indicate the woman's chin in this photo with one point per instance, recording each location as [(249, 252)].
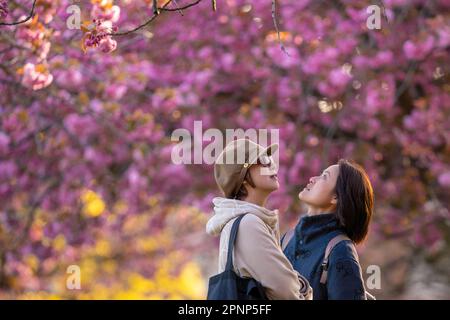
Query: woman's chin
[(301, 194), (276, 186)]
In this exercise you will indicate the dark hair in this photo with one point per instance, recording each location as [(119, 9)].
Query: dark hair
[(355, 200), (242, 192)]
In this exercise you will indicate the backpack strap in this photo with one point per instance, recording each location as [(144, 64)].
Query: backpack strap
[(286, 238), (233, 234), (331, 244)]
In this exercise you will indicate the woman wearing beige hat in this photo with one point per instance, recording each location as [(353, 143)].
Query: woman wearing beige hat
[(257, 254)]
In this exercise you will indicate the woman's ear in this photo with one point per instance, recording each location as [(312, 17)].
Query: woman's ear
[(334, 199)]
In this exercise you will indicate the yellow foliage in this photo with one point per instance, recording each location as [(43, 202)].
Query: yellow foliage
[(188, 284), (273, 36), (191, 281), (140, 284), (110, 266), (83, 98), (32, 261), (93, 204), (59, 243), (23, 116), (103, 275), (102, 248), (39, 295)]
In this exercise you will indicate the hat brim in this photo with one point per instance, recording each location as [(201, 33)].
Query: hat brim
[(270, 150)]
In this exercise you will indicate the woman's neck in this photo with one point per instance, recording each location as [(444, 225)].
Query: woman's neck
[(257, 198), (312, 211)]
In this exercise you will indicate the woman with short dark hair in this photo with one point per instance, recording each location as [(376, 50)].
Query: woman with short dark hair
[(340, 207)]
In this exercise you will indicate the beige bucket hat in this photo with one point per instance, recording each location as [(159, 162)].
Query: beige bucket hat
[(234, 161)]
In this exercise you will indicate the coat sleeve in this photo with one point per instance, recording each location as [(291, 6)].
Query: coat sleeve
[(259, 254), (345, 281)]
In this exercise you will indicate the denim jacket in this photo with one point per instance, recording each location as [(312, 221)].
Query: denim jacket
[(306, 250)]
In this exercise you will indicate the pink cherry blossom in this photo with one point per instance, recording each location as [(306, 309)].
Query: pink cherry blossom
[(444, 179), (34, 78), (418, 50), (99, 36), (112, 14), (3, 9), (107, 45)]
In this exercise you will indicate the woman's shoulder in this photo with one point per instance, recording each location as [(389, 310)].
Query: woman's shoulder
[(344, 250), (253, 229), (252, 222)]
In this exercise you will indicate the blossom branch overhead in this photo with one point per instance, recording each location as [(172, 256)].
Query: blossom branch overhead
[(114, 31), (34, 32), (4, 12)]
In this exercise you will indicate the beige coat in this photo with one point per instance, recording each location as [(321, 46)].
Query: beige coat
[(257, 252)]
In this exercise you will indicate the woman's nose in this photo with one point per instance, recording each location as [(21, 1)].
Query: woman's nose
[(273, 166), (312, 179)]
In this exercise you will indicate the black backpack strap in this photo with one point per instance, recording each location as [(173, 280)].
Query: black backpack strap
[(233, 234), (282, 238), (287, 238)]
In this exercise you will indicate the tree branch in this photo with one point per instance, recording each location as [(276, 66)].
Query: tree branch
[(153, 17), (181, 8), (275, 23), (23, 20)]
